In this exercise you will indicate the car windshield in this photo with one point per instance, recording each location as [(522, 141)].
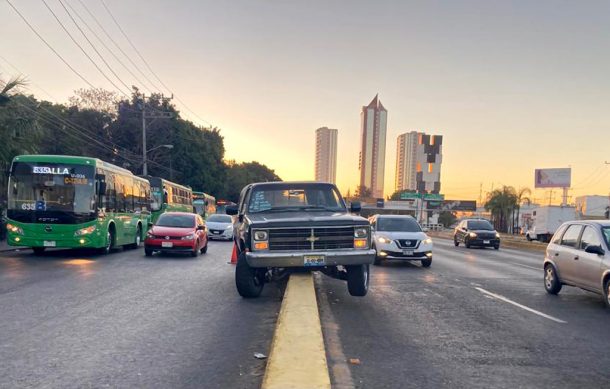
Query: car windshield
[(51, 187), (306, 197), (173, 220), (606, 233), (480, 225), (397, 225), (220, 219)]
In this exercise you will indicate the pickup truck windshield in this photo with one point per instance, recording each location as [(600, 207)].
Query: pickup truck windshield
[(308, 197)]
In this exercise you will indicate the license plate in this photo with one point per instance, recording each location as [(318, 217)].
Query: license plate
[(485, 242), (216, 232), (407, 252), (49, 243), (313, 260), (167, 244)]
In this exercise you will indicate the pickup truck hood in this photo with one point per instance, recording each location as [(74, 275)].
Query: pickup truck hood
[(304, 219)]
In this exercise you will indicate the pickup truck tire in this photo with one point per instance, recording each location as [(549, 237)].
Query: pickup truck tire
[(247, 281), (357, 280), (455, 241)]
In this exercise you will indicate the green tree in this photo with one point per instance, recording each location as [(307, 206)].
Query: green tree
[(242, 174), (9, 88), (522, 197), (363, 193), (447, 218), (501, 203)]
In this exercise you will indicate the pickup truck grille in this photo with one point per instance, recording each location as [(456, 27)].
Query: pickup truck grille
[(317, 238)]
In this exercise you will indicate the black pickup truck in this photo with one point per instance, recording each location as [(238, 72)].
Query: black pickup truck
[(283, 226)]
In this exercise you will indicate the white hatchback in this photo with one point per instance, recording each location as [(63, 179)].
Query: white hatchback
[(400, 237), (220, 227)]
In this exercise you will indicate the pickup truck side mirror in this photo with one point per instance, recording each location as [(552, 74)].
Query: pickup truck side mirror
[(591, 249), (355, 207), (231, 210)]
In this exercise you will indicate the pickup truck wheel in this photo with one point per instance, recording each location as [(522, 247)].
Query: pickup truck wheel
[(249, 285), (455, 242), (358, 280)]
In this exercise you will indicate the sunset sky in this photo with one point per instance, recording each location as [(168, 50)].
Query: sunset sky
[(512, 86)]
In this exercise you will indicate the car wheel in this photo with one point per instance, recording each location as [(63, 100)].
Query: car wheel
[(497, 246), (148, 252), (378, 259), (551, 281), (204, 249), (426, 262), (607, 292), (455, 242), (38, 250), (247, 281), (467, 243), (195, 251), (358, 280)]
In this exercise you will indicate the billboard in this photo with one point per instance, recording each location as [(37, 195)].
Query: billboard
[(553, 178)]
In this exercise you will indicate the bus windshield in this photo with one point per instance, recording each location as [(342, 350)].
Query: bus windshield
[(51, 187)]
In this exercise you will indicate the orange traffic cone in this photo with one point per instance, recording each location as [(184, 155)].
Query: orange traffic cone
[(234, 255)]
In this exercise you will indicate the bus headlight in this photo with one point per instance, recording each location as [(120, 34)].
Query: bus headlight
[(85, 231), (14, 229)]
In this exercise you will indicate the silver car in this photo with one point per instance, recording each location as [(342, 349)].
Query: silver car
[(579, 255), (220, 227)]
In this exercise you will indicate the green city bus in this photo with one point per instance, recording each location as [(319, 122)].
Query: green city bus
[(204, 204), (74, 202), (168, 196)]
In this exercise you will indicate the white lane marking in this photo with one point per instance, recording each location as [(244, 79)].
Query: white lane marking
[(529, 267), (502, 298)]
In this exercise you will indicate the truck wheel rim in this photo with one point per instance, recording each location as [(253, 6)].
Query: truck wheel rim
[(549, 278)]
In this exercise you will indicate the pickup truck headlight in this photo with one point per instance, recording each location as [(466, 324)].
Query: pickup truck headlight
[(85, 231), (361, 232), (261, 235), (472, 235), (14, 229), (383, 239)]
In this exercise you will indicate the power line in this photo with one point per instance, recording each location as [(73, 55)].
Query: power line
[(49, 45), (100, 25), (81, 48), (93, 46), (106, 46), (149, 67)]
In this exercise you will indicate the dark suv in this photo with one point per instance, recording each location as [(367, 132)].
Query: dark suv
[(476, 232), (282, 226)]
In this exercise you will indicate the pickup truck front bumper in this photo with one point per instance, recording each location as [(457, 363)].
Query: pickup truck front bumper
[(299, 259)]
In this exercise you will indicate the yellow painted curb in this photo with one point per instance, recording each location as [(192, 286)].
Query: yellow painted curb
[(298, 357)]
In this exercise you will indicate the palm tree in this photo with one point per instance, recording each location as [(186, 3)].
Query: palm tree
[(7, 88), (501, 203), (523, 197)]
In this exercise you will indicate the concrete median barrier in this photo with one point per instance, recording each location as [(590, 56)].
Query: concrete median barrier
[(298, 357)]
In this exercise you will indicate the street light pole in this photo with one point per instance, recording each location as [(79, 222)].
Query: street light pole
[(144, 164)]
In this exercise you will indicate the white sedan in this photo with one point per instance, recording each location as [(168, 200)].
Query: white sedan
[(220, 227), (400, 237)]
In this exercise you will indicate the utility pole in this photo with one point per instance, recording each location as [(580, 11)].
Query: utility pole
[(150, 115)]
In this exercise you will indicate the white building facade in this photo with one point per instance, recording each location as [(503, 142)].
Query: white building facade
[(326, 155), (373, 121), (418, 162)]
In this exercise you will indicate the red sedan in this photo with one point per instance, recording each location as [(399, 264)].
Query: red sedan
[(177, 232)]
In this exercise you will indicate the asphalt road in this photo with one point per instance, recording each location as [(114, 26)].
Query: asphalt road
[(455, 325), (77, 320)]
